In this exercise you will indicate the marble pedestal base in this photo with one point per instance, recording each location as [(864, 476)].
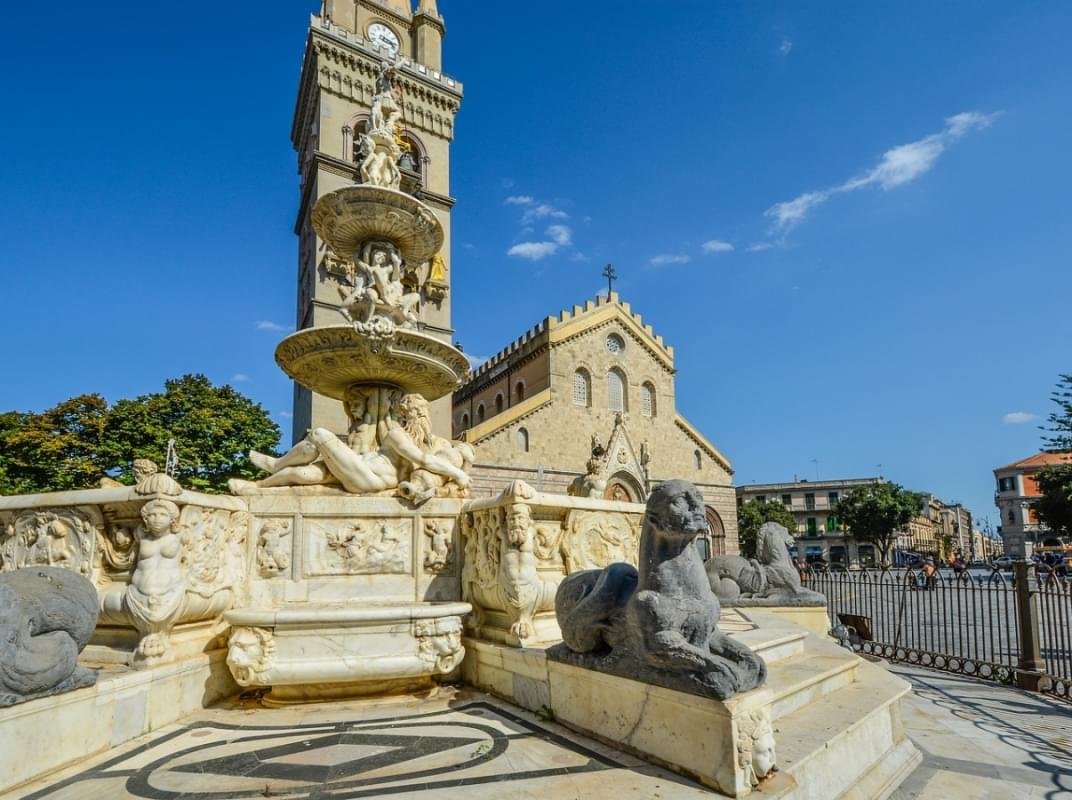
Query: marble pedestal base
[(318, 652), (812, 618), (46, 734)]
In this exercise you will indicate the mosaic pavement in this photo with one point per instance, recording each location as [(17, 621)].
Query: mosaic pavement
[(469, 746)]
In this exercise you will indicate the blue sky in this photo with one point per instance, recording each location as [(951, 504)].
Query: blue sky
[(851, 220)]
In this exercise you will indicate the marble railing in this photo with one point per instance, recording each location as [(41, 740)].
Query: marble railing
[(520, 545), (162, 559)]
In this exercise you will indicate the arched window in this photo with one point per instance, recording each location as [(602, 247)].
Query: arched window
[(647, 400), (522, 440), (465, 422), (616, 395), (698, 457), (582, 388), (499, 403), (480, 413), (519, 392)]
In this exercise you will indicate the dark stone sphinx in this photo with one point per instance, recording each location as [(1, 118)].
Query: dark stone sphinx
[(657, 623), (47, 615), (769, 580)]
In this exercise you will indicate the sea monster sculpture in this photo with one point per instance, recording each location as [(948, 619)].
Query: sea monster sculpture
[(657, 623), (47, 615), (770, 580)]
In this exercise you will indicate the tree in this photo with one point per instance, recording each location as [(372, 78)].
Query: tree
[(1054, 507), (213, 428), (75, 444), (753, 515), (1060, 421), (56, 450), (875, 513)]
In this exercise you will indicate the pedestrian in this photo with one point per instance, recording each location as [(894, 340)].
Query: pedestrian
[(930, 573)]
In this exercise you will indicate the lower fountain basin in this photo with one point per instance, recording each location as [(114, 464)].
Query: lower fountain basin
[(320, 652)]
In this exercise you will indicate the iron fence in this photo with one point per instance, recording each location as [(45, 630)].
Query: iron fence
[(1011, 629)]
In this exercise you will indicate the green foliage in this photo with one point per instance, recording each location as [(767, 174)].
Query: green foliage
[(875, 513), (213, 428), (1054, 507), (75, 444), (1060, 420), (56, 450), (753, 515)]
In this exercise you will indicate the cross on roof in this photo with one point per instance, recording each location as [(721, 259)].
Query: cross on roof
[(611, 276)]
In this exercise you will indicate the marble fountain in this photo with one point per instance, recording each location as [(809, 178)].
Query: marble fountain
[(362, 568)]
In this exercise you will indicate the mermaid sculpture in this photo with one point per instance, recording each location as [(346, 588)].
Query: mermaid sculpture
[(657, 623)]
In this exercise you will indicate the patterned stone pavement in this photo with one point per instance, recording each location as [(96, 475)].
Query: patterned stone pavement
[(457, 744), (981, 741)]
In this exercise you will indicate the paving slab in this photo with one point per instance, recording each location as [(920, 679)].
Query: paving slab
[(984, 741)]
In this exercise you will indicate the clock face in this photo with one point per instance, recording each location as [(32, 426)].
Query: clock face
[(383, 36)]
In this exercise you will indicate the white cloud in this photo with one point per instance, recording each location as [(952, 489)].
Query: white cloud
[(533, 251), (285, 414), (542, 211), (560, 235), (665, 259), (717, 246), (579, 256), (759, 247), (791, 212), (268, 325), (240, 377), (556, 236), (785, 46), (898, 166), (1020, 418)]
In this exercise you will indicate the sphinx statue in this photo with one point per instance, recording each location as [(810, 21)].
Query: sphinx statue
[(657, 622), (771, 579), (47, 615)]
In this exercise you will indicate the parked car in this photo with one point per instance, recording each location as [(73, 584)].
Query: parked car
[(1004, 562)]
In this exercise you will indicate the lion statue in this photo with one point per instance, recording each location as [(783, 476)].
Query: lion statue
[(770, 580), (657, 623)]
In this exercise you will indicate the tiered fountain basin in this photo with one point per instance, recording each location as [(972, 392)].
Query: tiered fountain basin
[(353, 215), (333, 359)]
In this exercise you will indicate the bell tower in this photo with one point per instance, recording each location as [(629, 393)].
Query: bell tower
[(348, 42)]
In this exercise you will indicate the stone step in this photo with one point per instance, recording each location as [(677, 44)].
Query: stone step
[(774, 642), (806, 678), (847, 744)]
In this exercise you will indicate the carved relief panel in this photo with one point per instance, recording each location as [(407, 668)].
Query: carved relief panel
[(439, 544), (274, 547), (594, 539), (55, 537), (358, 547), (213, 551)]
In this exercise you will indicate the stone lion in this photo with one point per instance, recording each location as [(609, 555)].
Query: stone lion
[(770, 579), (658, 622), (47, 615)]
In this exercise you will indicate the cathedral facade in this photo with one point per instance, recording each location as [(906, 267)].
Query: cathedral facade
[(584, 403)]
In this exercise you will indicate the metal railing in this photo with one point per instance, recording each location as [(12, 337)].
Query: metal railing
[(1014, 630)]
